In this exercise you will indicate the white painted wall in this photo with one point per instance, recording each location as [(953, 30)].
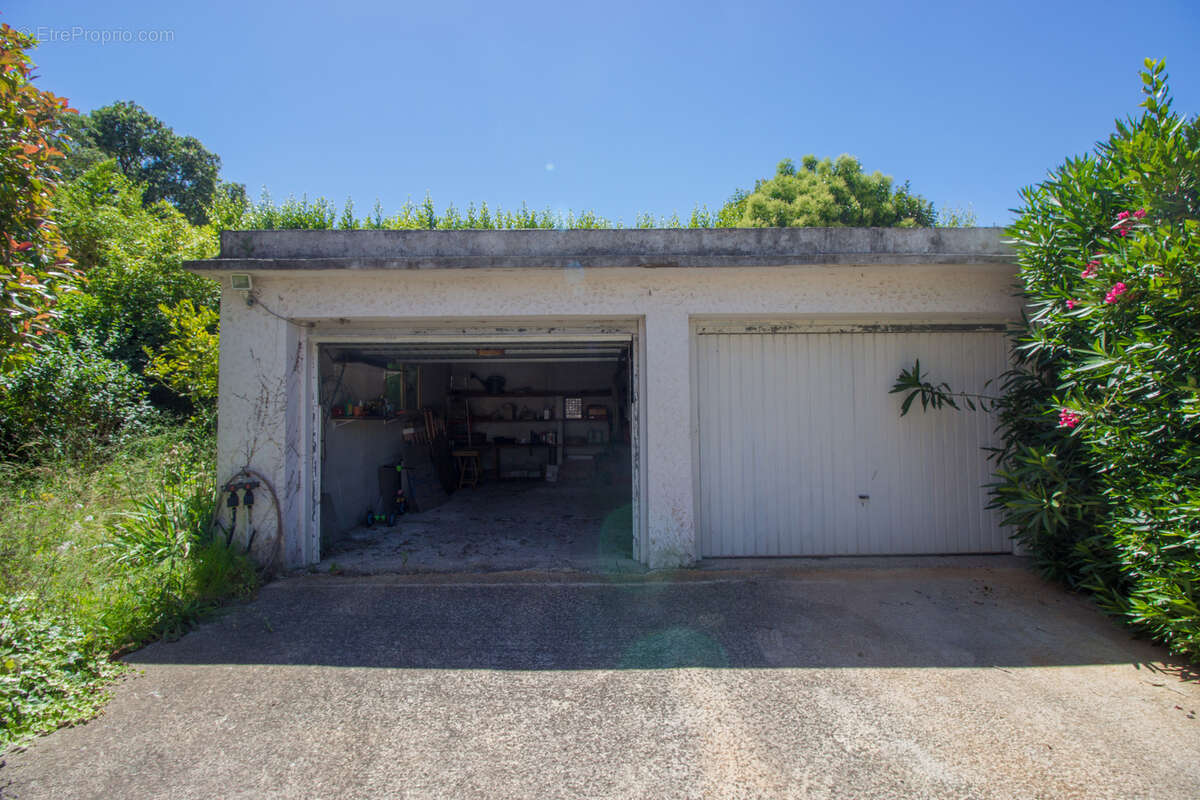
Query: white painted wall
[(268, 375), (353, 449)]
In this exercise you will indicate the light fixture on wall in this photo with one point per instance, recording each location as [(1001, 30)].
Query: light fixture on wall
[(240, 282)]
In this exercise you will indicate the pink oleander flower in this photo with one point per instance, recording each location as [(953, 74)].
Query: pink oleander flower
[(1123, 215), (1090, 269), (1116, 291), (1071, 304), (1122, 231), (1139, 214), (1068, 418)]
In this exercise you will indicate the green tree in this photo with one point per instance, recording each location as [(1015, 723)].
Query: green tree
[(133, 255), (174, 168), (36, 265), (75, 140), (826, 193)]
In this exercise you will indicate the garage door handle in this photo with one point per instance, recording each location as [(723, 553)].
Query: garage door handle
[(864, 497)]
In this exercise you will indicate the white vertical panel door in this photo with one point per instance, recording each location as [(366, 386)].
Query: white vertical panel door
[(803, 451)]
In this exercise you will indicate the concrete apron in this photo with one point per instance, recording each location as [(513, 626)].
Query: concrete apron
[(950, 681)]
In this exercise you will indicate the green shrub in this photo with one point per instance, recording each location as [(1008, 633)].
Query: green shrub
[(70, 399), (231, 212), (1100, 474)]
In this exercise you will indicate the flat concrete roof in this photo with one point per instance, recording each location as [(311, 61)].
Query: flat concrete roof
[(249, 251)]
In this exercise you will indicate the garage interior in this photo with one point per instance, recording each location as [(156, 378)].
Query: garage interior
[(476, 455)]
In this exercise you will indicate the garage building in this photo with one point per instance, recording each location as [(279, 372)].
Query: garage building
[(723, 391)]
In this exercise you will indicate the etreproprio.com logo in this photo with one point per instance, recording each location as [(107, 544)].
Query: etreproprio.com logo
[(79, 34)]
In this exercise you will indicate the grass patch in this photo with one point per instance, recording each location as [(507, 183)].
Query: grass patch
[(99, 556)]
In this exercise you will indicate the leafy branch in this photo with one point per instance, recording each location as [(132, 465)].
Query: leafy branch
[(937, 395)]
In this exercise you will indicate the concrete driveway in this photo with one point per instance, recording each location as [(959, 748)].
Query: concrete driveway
[(946, 681)]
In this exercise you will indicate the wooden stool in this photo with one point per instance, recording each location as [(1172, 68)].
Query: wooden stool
[(468, 467)]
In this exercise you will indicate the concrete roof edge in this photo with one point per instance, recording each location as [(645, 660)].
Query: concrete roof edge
[(725, 247), (466, 262)]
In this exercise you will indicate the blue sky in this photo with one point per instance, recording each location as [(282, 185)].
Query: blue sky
[(620, 107)]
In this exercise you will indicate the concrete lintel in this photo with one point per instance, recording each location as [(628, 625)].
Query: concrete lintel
[(252, 251)]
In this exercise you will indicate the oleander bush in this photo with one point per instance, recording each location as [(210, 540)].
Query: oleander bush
[(1100, 470)]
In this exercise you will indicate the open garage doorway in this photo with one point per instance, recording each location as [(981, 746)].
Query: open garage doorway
[(476, 456)]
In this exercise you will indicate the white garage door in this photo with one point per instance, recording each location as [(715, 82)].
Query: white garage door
[(803, 451)]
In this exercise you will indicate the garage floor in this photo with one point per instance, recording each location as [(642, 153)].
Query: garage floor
[(499, 526)]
